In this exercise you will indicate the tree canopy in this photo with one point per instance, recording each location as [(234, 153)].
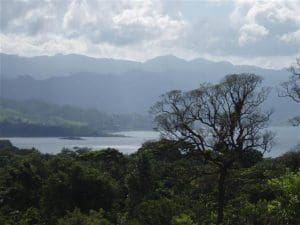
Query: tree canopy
[(155, 186), (221, 121)]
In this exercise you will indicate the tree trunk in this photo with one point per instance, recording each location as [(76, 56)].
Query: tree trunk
[(221, 195)]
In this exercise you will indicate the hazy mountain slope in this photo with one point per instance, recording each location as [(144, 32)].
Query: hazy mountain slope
[(41, 67), (107, 93), (36, 118), (133, 87)]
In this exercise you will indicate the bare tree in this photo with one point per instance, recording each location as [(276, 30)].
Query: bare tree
[(291, 89), (222, 122)]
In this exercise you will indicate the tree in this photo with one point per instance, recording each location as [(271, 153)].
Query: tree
[(223, 122), (291, 89)]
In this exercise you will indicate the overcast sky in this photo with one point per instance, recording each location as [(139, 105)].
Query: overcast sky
[(242, 32)]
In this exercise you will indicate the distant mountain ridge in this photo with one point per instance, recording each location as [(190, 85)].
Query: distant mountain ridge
[(41, 67), (120, 86)]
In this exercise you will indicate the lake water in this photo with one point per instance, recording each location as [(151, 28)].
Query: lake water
[(287, 138), (127, 145)]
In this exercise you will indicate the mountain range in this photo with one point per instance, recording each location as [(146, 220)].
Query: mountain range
[(122, 86)]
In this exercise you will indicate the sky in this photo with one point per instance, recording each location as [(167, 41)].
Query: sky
[(262, 33)]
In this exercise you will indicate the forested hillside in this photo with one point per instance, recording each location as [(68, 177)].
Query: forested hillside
[(36, 118)]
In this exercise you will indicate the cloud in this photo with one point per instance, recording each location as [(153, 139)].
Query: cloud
[(50, 45), (257, 19), (291, 37), (116, 22), (257, 31), (251, 33)]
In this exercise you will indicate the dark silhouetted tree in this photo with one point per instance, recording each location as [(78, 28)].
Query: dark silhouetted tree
[(291, 89), (223, 122)]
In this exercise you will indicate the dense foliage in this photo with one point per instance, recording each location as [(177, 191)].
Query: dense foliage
[(36, 118), (161, 184)]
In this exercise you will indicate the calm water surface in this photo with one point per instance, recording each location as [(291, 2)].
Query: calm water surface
[(286, 138), (127, 145)]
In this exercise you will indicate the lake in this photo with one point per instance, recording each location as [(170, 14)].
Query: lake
[(127, 145), (287, 138)]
